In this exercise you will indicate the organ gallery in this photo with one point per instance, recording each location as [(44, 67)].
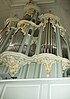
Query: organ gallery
[(34, 47)]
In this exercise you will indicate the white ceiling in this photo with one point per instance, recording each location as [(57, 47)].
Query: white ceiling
[(60, 7), (23, 2)]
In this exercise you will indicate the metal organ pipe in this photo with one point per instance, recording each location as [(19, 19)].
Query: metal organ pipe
[(68, 50), (44, 40), (53, 43), (23, 41), (27, 51), (48, 38), (10, 33), (58, 42), (38, 47), (3, 35)]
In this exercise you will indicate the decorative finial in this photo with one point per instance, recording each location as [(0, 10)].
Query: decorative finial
[(30, 1)]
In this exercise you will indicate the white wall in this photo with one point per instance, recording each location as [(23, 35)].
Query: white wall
[(35, 89)]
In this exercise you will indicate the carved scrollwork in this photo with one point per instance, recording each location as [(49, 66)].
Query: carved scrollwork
[(12, 22), (23, 23), (16, 60)]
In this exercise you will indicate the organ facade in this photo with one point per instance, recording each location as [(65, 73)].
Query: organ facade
[(34, 47)]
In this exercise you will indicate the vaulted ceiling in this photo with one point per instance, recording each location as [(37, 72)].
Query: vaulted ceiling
[(61, 8)]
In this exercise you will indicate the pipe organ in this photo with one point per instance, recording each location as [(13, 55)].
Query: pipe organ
[(34, 47)]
